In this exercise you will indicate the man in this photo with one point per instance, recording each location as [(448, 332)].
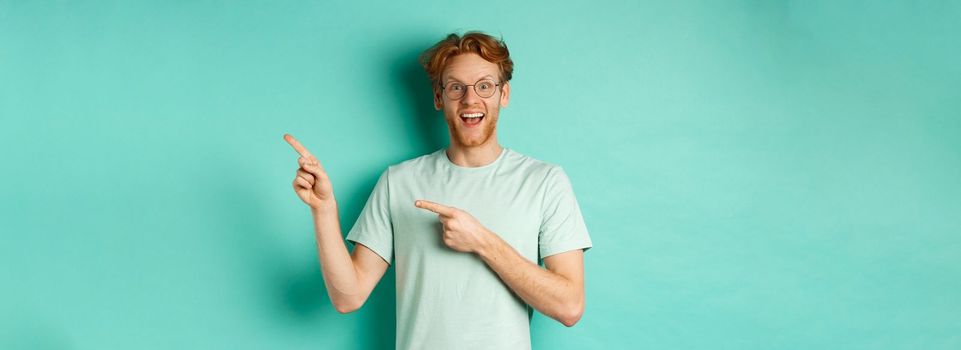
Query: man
[(463, 226)]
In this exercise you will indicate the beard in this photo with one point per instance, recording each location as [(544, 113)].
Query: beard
[(471, 137)]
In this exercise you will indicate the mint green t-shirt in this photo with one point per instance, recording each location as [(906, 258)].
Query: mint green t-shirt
[(452, 300)]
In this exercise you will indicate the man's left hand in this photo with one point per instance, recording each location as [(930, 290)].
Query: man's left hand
[(462, 232)]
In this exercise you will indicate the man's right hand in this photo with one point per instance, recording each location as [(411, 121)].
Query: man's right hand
[(311, 183), (349, 278)]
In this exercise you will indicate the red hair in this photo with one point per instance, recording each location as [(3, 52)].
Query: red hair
[(491, 49)]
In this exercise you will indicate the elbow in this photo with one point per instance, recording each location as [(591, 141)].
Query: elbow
[(573, 314), (345, 309), (347, 306), (570, 321)]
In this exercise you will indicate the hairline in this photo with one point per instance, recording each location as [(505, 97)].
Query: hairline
[(448, 80)]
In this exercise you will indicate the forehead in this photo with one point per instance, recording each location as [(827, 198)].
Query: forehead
[(469, 68)]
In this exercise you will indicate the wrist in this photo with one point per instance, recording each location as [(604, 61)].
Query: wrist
[(324, 208), (488, 244)]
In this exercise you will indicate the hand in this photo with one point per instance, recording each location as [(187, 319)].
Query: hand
[(311, 184), (462, 232)]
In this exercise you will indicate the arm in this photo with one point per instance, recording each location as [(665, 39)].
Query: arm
[(349, 279), (557, 292)]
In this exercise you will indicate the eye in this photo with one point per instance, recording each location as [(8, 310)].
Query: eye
[(485, 85), (456, 87)]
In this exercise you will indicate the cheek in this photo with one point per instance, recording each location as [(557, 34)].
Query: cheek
[(449, 114)]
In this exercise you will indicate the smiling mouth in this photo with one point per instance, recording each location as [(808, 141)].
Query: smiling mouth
[(472, 119)]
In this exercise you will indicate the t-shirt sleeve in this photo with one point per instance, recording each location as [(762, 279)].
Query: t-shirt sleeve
[(373, 228), (562, 225)]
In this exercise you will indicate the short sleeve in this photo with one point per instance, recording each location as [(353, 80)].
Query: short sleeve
[(373, 228), (562, 225)]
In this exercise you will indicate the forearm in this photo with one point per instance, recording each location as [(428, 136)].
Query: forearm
[(548, 292), (340, 275)]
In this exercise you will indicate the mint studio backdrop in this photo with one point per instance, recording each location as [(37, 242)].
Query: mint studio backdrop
[(754, 174)]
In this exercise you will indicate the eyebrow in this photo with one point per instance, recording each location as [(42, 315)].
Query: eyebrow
[(491, 77)]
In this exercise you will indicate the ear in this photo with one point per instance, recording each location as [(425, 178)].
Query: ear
[(505, 93), (438, 100)]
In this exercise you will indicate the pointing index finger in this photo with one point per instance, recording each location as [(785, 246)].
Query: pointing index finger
[(434, 207), (297, 146)]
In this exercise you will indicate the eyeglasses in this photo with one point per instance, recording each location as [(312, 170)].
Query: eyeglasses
[(484, 88)]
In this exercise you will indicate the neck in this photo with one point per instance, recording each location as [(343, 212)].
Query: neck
[(475, 156)]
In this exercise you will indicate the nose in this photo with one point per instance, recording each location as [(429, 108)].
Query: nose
[(470, 97)]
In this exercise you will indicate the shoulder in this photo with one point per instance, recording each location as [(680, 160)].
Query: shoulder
[(535, 168), (550, 178), (414, 165)]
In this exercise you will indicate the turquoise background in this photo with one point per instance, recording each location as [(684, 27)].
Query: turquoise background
[(754, 174)]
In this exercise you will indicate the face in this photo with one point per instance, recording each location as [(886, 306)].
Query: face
[(468, 69)]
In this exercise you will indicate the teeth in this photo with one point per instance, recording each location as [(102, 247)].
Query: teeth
[(472, 115)]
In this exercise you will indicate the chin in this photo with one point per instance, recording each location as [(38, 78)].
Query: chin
[(472, 143), (475, 140), (476, 137)]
